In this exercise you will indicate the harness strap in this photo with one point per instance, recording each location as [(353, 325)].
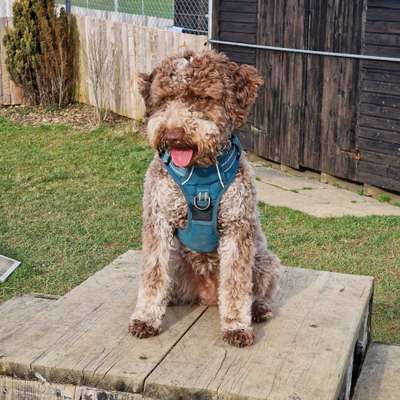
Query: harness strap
[(203, 188)]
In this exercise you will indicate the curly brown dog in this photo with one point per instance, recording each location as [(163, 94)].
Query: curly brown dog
[(193, 103)]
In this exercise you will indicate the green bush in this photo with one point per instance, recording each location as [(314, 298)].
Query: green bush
[(40, 53)]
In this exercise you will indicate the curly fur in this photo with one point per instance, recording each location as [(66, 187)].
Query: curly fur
[(202, 97)]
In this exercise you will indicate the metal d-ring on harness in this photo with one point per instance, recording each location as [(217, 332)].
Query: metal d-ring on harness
[(202, 201), (203, 188)]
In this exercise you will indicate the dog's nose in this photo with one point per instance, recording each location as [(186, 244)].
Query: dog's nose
[(175, 134)]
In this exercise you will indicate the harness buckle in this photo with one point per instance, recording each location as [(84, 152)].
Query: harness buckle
[(202, 201)]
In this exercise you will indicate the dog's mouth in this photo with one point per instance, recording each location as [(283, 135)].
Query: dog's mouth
[(181, 156)]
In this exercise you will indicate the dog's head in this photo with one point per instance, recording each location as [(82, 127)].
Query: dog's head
[(194, 101)]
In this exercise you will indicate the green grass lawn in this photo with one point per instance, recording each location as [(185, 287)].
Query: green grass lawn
[(70, 202)]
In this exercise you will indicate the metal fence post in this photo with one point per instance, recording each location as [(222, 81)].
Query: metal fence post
[(68, 6)]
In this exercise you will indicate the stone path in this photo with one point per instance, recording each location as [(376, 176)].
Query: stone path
[(380, 376), (310, 196)]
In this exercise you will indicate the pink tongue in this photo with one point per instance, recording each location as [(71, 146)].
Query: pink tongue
[(181, 157)]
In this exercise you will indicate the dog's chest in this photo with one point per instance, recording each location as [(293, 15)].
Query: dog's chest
[(169, 204), (172, 203)]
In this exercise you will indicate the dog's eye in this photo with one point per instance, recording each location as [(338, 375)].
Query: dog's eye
[(206, 98)]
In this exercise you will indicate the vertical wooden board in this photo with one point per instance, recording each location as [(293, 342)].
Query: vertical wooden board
[(269, 64), (132, 87), (302, 353), (12, 389), (138, 67), (315, 40), (279, 109), (341, 90), (293, 84), (83, 84), (83, 339)]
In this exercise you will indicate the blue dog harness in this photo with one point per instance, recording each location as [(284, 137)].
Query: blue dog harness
[(203, 188)]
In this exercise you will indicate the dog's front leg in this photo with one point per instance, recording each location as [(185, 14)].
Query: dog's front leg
[(236, 252), (155, 281)]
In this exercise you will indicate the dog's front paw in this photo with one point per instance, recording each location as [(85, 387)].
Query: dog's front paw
[(260, 312), (239, 337), (142, 329)]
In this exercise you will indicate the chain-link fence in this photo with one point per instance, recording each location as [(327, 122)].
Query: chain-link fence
[(190, 16)]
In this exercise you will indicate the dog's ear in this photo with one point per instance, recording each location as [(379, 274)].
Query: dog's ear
[(246, 83), (144, 82)]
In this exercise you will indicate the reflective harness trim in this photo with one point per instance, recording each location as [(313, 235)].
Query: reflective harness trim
[(203, 188)]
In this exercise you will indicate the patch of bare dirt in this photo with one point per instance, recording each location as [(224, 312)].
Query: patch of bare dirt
[(79, 116)]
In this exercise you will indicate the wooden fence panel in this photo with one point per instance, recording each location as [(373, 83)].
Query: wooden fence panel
[(134, 49), (6, 8)]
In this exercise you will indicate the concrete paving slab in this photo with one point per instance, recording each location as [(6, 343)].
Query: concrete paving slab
[(380, 375), (320, 200)]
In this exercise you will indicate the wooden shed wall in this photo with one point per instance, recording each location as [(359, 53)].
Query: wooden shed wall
[(237, 21), (306, 113), (334, 115), (379, 118)]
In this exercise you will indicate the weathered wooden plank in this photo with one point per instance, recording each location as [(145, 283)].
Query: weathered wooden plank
[(241, 37), (12, 389), (381, 87), (381, 111), (383, 27), (379, 135), (379, 147), (312, 134), (379, 123), (380, 158), (83, 339), (382, 39), (381, 76), (382, 14), (15, 313), (392, 4), (384, 182), (302, 353), (382, 51), (385, 171), (239, 57), (237, 17), (385, 100), (231, 26), (238, 7), (382, 66), (379, 379)]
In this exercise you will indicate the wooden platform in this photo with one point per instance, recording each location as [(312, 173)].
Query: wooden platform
[(78, 346)]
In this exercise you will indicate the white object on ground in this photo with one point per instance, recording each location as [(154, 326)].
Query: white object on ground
[(7, 267)]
